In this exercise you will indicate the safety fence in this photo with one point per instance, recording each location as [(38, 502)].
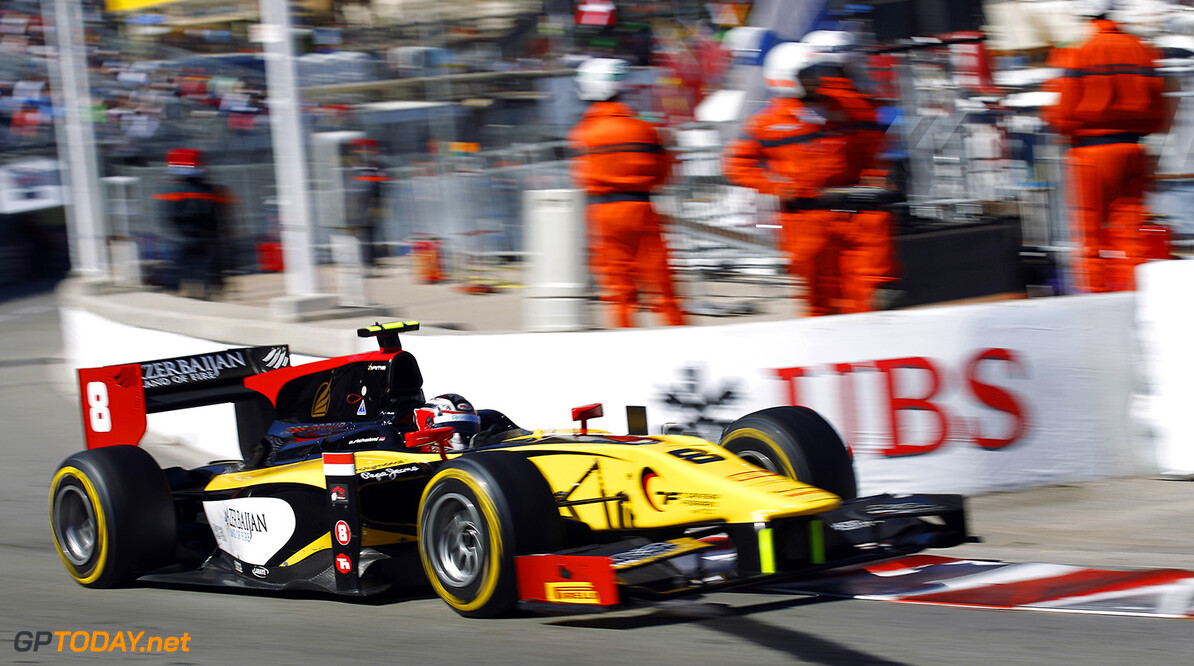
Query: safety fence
[(471, 207), (985, 164), (471, 203)]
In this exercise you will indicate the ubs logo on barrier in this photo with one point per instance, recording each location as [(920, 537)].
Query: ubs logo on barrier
[(911, 394)]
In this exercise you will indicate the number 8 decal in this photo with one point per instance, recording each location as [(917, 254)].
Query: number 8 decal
[(696, 456), (343, 534), (113, 405), (97, 407)]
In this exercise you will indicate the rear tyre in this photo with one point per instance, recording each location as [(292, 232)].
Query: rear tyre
[(796, 442), (112, 516), (477, 513)]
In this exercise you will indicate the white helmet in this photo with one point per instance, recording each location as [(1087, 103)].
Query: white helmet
[(1092, 8), (783, 65), (453, 411), (834, 45), (600, 79)]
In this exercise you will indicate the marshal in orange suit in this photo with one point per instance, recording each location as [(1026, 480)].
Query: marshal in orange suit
[(618, 160), (1109, 99), (816, 134)]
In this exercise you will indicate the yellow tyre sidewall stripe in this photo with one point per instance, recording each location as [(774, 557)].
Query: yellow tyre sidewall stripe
[(101, 526), (778, 452), (493, 527)]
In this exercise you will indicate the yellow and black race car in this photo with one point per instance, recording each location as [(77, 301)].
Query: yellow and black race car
[(347, 487)]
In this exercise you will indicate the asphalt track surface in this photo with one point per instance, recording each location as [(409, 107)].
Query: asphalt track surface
[(1140, 528)]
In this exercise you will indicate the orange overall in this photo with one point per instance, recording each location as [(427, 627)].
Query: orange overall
[(1110, 97), (871, 261), (618, 160), (789, 150)]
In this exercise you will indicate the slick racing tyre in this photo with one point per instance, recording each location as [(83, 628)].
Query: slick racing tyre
[(111, 515), (476, 514), (796, 442)]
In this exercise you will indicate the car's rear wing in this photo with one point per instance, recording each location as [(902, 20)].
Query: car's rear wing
[(116, 398)]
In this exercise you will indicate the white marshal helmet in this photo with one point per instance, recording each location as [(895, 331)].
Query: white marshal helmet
[(600, 79), (1092, 8), (840, 48), (783, 65), (833, 45)]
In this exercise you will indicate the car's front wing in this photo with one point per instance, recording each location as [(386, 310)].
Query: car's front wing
[(713, 557)]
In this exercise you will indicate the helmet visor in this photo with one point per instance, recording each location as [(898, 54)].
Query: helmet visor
[(465, 423)]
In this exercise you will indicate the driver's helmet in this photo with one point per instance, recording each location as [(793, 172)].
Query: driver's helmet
[(452, 410)]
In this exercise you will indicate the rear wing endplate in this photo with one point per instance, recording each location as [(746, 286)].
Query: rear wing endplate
[(116, 398)]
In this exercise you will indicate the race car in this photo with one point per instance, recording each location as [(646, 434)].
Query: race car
[(348, 486)]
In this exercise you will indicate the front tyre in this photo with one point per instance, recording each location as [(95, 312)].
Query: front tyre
[(111, 515), (477, 513), (796, 442)]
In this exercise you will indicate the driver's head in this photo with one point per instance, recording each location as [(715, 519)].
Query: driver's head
[(453, 411)]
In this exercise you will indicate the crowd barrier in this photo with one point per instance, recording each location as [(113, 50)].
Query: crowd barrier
[(470, 204), (970, 399)]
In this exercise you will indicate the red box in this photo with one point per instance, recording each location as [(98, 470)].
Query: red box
[(1156, 241), (269, 256), (585, 580)]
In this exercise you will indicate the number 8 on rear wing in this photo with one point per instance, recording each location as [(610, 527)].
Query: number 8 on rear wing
[(116, 398)]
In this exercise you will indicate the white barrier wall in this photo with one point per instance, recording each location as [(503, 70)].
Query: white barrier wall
[(966, 399), (1166, 325), (963, 399)]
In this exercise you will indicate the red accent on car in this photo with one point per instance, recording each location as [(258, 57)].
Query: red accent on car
[(567, 579), (421, 438), (113, 402), (586, 412), (269, 383), (649, 474), (425, 437), (339, 458)]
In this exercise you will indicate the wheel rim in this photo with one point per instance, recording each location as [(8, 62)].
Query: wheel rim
[(759, 459), (75, 524), (457, 540)]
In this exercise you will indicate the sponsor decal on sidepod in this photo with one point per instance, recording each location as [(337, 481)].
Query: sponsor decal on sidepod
[(251, 529), (389, 473)]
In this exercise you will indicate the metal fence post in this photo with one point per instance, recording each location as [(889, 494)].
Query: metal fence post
[(557, 270), (122, 248)]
